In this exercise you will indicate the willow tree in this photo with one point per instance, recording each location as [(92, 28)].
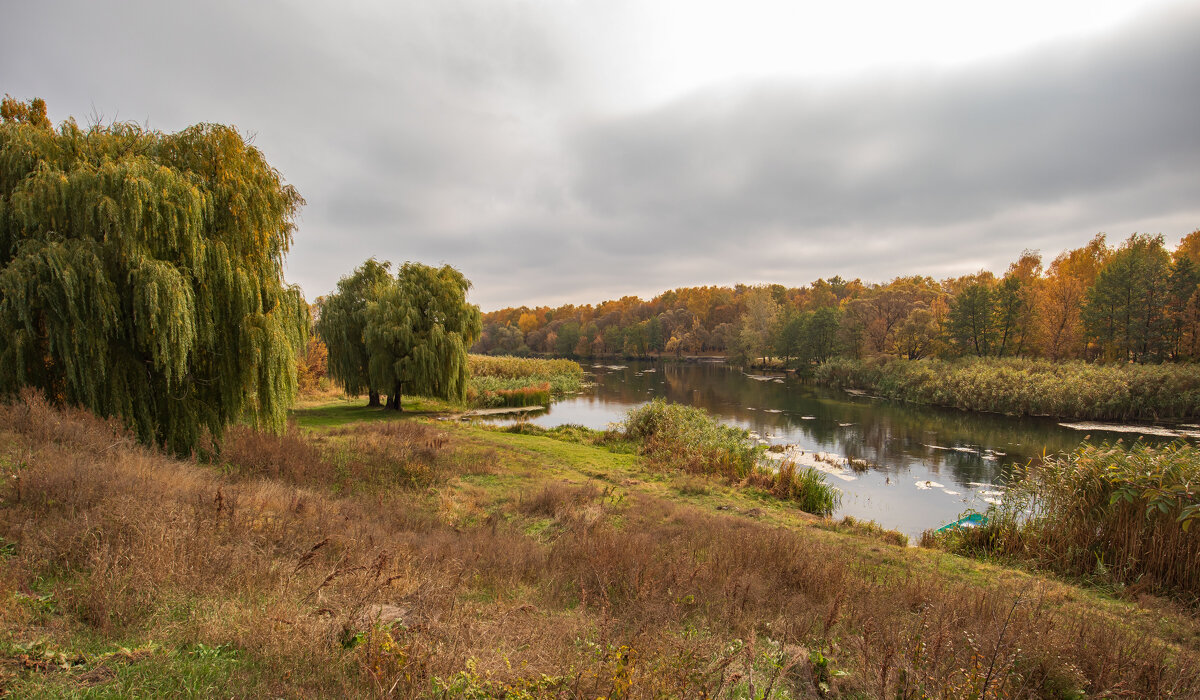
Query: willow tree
[(341, 321), (141, 275), (418, 332)]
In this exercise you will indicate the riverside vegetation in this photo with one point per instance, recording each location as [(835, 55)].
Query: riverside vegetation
[(1106, 513), (681, 437), (399, 558), (1028, 387), (520, 381)]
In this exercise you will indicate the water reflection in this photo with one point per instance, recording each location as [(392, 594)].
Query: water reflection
[(928, 464)]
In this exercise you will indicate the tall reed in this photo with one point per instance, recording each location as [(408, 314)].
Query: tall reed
[(533, 395), (520, 381), (1122, 516), (1028, 387)]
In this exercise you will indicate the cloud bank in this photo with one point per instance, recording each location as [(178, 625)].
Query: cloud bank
[(483, 135)]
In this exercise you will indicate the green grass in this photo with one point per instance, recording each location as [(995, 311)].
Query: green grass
[(338, 412), (146, 670)]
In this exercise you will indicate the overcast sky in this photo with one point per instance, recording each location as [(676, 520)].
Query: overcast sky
[(569, 151)]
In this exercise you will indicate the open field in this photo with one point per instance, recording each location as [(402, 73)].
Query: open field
[(403, 557)]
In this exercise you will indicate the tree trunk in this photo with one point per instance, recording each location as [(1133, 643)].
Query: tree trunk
[(394, 401), (373, 399)]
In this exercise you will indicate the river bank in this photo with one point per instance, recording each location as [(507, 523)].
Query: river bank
[(926, 464), (429, 560), (1019, 387)]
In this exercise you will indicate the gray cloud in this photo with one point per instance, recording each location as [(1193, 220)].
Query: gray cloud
[(1081, 121), (468, 133)]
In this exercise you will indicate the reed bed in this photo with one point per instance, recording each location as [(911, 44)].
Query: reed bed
[(1128, 517), (564, 376), (673, 436), (1018, 386), (532, 395), (520, 381)]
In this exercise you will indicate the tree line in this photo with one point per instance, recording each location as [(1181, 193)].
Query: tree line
[(1136, 302)]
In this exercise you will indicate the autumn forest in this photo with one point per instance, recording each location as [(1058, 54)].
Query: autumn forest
[(1136, 301)]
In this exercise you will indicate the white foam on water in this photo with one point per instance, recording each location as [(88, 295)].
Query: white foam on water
[(817, 460)]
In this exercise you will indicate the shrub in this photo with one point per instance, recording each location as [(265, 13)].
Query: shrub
[(1127, 517), (364, 456), (683, 437), (108, 544), (673, 436), (805, 486)]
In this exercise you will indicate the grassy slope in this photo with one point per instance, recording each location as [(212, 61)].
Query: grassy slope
[(549, 568)]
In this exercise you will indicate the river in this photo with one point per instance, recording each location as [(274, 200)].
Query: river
[(927, 465)]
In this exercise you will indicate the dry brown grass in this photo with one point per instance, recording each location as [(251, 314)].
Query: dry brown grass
[(372, 455), (371, 593)]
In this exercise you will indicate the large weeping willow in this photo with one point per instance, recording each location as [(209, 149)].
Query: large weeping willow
[(141, 275), (418, 331)]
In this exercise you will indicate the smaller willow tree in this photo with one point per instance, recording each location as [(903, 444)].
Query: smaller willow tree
[(141, 275), (341, 321), (418, 331)]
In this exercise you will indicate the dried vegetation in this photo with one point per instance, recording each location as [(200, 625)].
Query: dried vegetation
[(292, 571)]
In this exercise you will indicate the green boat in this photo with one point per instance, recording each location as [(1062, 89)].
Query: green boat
[(970, 520)]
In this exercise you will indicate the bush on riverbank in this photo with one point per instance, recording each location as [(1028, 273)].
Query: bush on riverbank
[(1028, 387), (1128, 517), (673, 436), (520, 381)]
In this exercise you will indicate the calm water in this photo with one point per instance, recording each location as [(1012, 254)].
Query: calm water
[(928, 465)]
